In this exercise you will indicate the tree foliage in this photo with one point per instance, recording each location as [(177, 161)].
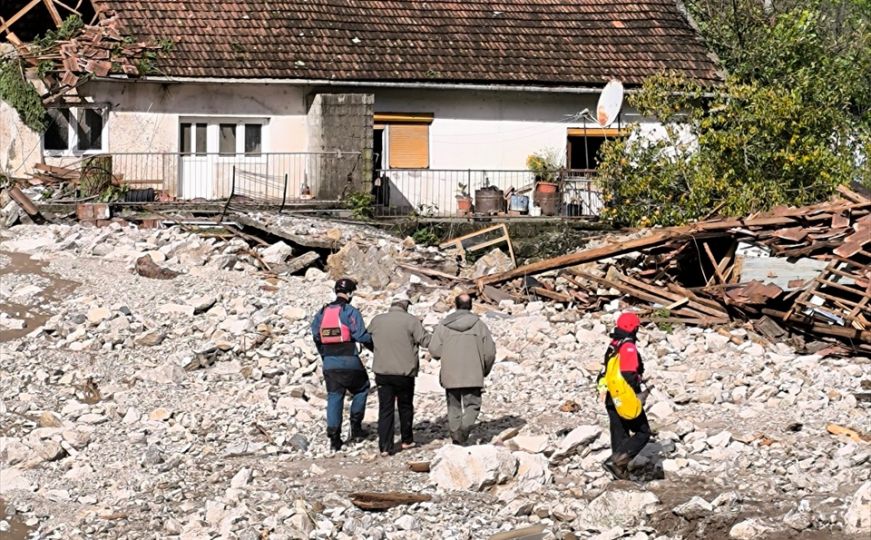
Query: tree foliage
[(790, 123)]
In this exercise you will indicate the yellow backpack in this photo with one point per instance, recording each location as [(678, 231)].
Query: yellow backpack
[(626, 403)]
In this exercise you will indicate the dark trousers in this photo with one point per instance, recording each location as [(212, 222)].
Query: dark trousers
[(621, 440), (394, 391), (340, 381)]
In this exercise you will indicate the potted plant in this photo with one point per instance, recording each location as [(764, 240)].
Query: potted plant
[(464, 201), (545, 165)]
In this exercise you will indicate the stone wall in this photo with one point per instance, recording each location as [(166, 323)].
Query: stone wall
[(340, 122)]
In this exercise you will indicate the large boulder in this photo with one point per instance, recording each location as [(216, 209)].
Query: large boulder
[(532, 472), (618, 508), (494, 262), (472, 468), (374, 268), (857, 520)]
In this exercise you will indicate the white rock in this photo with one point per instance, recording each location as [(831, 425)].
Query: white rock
[(98, 315), (533, 444), (13, 480), (241, 478), (857, 519), (276, 253), (472, 468), (235, 325), (406, 523), (716, 342), (721, 439), (157, 256), (532, 472), (618, 508), (694, 508), (580, 436), (176, 309), (166, 373), (160, 414), (293, 313), (749, 529), (661, 410)]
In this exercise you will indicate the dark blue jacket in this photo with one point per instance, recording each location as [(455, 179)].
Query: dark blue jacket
[(342, 355)]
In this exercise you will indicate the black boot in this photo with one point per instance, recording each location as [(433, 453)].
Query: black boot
[(357, 431), (335, 439), (616, 465)]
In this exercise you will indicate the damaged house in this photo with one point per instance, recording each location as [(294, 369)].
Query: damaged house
[(288, 99)]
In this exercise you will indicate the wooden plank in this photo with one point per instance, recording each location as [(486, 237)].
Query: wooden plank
[(533, 532), (459, 239), (574, 259), (21, 13), (714, 312), (383, 501), (306, 241), (52, 10), (841, 287), (825, 329), (851, 195), (486, 244), (429, 272), (648, 297), (553, 295), (851, 434)]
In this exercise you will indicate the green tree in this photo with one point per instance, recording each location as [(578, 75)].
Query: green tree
[(790, 123)]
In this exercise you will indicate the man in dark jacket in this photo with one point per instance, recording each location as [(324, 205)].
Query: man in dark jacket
[(397, 336), (623, 446), (467, 352), (337, 329)]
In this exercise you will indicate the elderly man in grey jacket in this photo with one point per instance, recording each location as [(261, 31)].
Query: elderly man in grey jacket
[(467, 352), (397, 336)]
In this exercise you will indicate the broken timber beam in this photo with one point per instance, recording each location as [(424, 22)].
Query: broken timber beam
[(306, 241), (574, 259)]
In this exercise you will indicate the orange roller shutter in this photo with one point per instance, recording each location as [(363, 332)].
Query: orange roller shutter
[(408, 146)]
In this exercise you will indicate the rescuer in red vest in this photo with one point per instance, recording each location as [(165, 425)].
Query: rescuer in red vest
[(337, 330)]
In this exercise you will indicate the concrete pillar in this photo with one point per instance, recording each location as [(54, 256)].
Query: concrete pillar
[(340, 123)]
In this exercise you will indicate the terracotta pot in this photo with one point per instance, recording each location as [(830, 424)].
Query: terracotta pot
[(464, 205), (546, 187)]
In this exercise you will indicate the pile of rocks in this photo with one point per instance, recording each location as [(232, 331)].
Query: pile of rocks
[(194, 407)]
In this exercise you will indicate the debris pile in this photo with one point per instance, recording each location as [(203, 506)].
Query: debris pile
[(194, 407), (806, 269)]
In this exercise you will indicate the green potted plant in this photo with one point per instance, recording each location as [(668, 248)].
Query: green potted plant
[(464, 201), (545, 165)]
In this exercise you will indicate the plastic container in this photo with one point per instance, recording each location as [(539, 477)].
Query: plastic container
[(519, 203)]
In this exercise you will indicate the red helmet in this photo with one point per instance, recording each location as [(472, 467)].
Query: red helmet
[(628, 322)]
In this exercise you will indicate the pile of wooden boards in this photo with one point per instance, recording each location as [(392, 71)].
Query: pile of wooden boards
[(808, 269)]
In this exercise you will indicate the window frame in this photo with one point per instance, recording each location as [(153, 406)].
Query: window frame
[(386, 120), (213, 137), (72, 149)]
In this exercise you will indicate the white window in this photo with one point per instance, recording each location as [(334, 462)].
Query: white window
[(75, 131), (229, 137)]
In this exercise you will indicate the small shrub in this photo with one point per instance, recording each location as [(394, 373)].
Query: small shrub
[(360, 203)]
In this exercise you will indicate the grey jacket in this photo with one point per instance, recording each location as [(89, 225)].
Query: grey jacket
[(397, 336), (466, 349)]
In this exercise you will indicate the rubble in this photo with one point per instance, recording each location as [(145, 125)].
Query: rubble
[(194, 407)]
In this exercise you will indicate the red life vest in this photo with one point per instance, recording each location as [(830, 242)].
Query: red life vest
[(332, 329)]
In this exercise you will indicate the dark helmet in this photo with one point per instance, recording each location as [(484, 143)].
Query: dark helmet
[(345, 285)]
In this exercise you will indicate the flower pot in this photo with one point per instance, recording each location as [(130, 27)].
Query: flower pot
[(546, 187), (464, 205)]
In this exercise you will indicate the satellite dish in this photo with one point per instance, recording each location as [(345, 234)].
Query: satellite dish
[(610, 102)]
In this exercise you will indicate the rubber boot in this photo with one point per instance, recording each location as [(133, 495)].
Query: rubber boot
[(335, 439), (357, 431)]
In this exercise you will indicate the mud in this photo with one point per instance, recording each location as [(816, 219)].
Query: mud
[(36, 313), (17, 531)]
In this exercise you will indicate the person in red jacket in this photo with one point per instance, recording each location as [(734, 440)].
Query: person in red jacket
[(624, 446)]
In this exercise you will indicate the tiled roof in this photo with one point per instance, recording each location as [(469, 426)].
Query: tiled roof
[(584, 42)]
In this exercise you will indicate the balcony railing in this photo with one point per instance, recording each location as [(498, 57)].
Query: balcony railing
[(434, 191), (270, 178)]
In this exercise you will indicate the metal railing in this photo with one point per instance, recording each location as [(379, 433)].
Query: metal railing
[(269, 178), (433, 192)]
